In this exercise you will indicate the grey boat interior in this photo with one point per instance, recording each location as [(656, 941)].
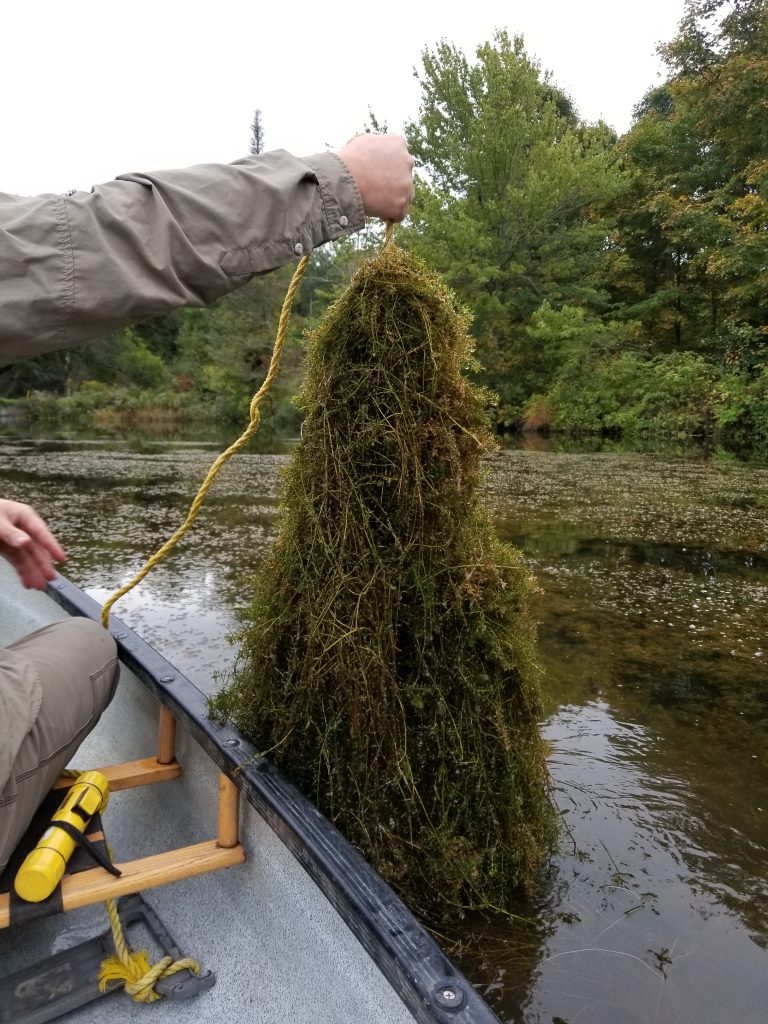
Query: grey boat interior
[(303, 931)]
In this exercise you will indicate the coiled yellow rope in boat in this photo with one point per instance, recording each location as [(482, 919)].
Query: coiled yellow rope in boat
[(132, 967)]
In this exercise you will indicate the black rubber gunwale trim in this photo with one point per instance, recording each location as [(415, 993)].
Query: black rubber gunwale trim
[(408, 957)]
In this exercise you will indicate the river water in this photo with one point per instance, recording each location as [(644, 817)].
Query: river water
[(653, 609)]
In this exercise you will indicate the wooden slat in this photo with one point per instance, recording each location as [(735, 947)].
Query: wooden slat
[(229, 812), (166, 736), (131, 774), (137, 875)]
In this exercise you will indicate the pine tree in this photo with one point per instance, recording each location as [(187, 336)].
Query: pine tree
[(257, 135)]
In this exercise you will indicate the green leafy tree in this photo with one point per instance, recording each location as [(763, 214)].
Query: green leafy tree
[(507, 198), (224, 351), (689, 253), (124, 359), (655, 270)]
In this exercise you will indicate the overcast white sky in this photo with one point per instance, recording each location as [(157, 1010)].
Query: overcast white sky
[(93, 89)]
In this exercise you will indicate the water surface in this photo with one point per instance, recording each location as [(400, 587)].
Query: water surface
[(653, 605)]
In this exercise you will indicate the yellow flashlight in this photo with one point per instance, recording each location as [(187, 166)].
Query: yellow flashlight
[(43, 868)]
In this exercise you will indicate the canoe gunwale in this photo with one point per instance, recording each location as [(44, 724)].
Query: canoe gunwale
[(408, 957)]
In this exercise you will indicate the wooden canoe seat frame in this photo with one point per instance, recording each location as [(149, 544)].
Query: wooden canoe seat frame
[(96, 885)]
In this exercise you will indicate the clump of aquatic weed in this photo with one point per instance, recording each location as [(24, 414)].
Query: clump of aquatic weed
[(386, 661)]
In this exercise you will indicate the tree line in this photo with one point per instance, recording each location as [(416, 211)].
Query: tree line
[(617, 284)]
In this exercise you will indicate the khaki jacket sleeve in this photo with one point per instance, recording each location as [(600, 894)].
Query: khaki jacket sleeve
[(73, 268)]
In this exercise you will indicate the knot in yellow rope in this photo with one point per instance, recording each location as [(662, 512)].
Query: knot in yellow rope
[(132, 968)]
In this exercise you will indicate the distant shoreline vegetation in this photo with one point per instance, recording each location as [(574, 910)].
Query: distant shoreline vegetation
[(104, 407), (617, 285), (673, 398)]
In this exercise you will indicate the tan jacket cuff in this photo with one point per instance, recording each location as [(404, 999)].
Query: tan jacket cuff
[(343, 210)]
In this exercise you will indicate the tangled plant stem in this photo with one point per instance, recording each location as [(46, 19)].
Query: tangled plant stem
[(386, 659)]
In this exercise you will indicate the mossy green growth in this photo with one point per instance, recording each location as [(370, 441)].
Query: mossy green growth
[(387, 662)]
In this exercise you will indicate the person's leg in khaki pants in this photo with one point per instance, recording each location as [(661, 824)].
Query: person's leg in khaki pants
[(76, 663)]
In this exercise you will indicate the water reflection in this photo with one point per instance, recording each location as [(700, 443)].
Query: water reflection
[(653, 602), (642, 929), (150, 435)]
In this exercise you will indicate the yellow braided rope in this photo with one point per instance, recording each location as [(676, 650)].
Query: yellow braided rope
[(249, 431), (132, 967)]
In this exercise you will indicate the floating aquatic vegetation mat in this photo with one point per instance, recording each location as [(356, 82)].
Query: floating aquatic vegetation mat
[(387, 663)]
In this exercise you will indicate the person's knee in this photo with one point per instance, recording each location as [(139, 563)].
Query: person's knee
[(100, 649), (75, 662), (89, 652), (98, 641)]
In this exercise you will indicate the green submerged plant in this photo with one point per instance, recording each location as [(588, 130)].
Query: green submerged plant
[(387, 661)]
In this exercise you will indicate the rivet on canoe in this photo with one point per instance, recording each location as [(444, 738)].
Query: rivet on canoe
[(451, 997)]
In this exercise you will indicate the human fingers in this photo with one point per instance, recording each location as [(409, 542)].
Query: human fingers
[(22, 527), (30, 571)]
